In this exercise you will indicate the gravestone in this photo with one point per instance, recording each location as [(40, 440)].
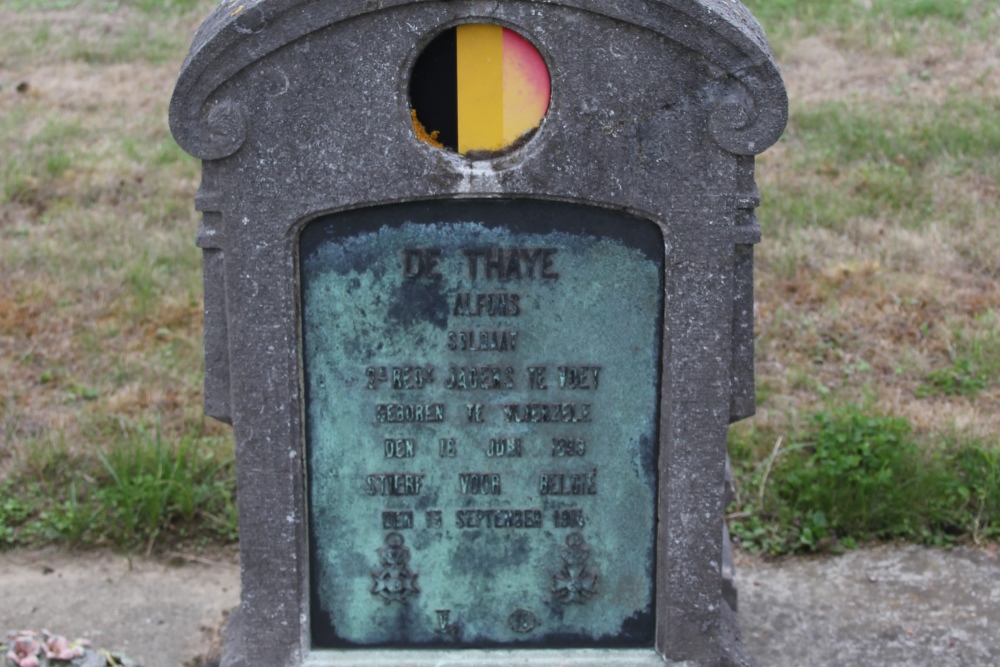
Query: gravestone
[(478, 305)]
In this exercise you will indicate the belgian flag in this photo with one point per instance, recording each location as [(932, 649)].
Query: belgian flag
[(478, 87)]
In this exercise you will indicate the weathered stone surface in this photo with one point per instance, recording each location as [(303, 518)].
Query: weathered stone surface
[(299, 111)]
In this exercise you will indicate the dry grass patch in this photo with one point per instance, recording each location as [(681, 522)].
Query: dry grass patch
[(818, 68), (877, 291), (94, 32), (880, 239), (101, 312)]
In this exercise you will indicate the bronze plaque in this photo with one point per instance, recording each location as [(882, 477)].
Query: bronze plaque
[(482, 404)]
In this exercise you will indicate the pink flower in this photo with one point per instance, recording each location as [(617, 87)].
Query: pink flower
[(24, 652), (58, 647)]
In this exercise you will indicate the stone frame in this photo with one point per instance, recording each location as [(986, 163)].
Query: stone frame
[(270, 98)]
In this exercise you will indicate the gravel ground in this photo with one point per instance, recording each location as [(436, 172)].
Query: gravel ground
[(891, 607)]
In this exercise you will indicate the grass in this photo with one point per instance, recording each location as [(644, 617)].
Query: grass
[(840, 11), (863, 161), (136, 491), (102, 439), (957, 131), (168, 7), (877, 292), (99, 32), (877, 295), (894, 26), (975, 363), (853, 475)]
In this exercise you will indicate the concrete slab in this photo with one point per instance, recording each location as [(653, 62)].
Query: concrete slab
[(157, 613), (888, 607), (885, 607)]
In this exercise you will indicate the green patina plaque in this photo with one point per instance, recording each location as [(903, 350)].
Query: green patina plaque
[(482, 391)]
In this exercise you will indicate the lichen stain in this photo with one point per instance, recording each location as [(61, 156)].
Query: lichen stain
[(416, 302), (487, 554), (637, 627), (422, 133)]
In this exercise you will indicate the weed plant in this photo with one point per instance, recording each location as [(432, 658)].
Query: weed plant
[(975, 365), (140, 490), (853, 476)]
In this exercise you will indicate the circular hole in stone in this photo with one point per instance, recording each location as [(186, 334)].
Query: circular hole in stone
[(478, 90)]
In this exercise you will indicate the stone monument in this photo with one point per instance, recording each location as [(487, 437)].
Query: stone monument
[(478, 305)]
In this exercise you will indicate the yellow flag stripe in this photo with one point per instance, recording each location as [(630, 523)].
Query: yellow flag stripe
[(479, 54)]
